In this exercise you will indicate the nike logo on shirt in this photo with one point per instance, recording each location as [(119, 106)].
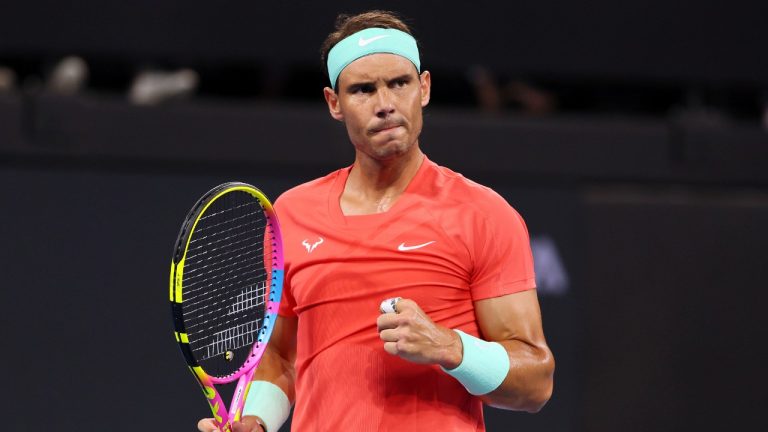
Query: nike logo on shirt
[(404, 248)]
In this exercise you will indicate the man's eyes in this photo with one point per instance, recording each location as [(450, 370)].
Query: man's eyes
[(400, 83), (363, 89), (366, 88)]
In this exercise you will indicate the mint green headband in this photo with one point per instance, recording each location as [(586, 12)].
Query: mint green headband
[(371, 41)]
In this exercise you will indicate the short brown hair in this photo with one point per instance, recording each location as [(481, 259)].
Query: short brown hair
[(350, 24)]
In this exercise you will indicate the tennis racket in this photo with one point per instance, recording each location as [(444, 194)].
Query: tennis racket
[(225, 288)]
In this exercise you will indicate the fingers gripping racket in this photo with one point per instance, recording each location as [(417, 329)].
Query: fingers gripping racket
[(225, 287)]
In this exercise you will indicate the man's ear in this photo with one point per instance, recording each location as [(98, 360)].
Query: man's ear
[(425, 82), (334, 107)]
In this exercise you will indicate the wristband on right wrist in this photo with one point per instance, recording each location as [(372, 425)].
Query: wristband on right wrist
[(269, 403)]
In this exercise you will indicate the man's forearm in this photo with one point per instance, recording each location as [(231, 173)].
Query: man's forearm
[(279, 371), (529, 382)]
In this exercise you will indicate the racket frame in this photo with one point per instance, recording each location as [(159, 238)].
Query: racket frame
[(244, 374)]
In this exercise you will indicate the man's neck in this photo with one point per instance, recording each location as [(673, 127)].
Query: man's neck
[(374, 186)]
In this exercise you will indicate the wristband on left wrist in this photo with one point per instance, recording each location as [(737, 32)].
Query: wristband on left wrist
[(484, 365)]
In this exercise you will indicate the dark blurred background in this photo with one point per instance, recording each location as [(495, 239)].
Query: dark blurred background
[(632, 136)]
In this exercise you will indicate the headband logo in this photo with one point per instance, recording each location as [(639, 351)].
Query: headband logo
[(363, 42)]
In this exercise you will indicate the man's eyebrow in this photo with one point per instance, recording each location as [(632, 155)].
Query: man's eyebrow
[(358, 85), (403, 77)]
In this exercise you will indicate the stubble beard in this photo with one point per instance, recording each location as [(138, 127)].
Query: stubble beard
[(393, 147)]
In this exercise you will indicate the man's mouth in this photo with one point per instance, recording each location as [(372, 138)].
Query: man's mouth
[(385, 127)]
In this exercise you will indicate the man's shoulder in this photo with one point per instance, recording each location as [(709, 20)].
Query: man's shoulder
[(459, 186), (310, 187), (309, 190), (453, 189)]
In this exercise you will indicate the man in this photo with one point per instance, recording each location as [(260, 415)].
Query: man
[(450, 259)]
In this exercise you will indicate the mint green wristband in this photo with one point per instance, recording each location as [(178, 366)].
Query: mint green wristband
[(483, 367), (268, 402)]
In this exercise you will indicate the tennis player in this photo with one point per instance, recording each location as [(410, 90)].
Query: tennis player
[(410, 295)]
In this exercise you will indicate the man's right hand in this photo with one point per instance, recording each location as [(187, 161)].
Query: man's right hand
[(248, 424)]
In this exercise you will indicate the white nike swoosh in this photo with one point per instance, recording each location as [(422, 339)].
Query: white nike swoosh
[(404, 248), (363, 42)]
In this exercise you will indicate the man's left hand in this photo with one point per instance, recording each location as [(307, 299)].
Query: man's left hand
[(409, 333)]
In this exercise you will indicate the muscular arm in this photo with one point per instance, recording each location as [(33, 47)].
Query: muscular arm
[(514, 321)]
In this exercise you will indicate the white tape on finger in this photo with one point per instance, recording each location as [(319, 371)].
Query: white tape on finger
[(389, 305)]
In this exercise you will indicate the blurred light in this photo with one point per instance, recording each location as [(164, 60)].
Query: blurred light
[(551, 276), (7, 79), (68, 77), (154, 87)]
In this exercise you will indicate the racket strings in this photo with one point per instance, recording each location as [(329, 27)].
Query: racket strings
[(211, 256), (209, 248), (226, 282), (219, 285), (225, 263), (230, 220), (233, 303), (214, 336), (234, 228), (201, 300), (234, 208), (248, 299), (215, 259), (231, 275), (241, 335)]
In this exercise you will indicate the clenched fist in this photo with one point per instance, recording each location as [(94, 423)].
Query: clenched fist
[(409, 333)]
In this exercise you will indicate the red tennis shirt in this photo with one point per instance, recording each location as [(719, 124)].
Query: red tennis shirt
[(445, 243)]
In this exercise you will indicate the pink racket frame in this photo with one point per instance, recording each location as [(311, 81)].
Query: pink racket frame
[(244, 374)]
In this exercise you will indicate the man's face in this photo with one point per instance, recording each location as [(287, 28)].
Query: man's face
[(379, 99)]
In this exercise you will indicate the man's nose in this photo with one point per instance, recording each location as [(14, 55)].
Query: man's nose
[(384, 103)]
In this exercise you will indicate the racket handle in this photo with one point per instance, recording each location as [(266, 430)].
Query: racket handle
[(238, 398)]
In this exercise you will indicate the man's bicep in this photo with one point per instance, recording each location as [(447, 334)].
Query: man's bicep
[(514, 316)]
